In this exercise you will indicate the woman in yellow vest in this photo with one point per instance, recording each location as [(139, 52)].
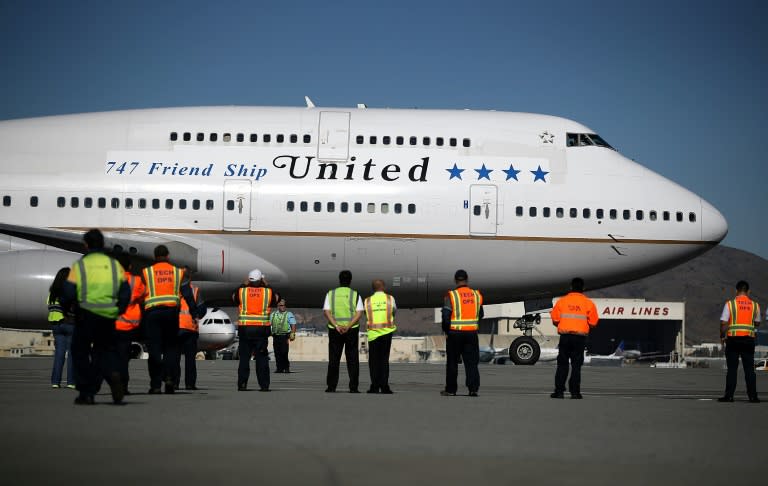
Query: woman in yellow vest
[(380, 311), (63, 326)]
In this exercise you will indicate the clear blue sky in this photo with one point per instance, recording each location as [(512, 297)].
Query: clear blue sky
[(679, 86)]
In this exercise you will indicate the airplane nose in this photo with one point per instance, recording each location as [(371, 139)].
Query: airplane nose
[(714, 227)]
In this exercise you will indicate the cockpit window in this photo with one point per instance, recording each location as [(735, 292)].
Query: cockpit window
[(585, 140)]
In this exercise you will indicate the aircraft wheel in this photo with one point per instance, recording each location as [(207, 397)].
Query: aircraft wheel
[(524, 351)]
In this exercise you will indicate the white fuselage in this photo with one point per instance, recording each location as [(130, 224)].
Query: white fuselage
[(303, 193)]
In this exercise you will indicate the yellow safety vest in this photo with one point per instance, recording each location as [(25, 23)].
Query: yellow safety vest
[(343, 302), (380, 313), (97, 278)]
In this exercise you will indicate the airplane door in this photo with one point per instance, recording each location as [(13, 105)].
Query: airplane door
[(482, 210), (333, 139), (237, 205)]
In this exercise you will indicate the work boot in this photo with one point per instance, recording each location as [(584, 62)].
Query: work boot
[(444, 393), (725, 399), (576, 396), (556, 395), (116, 387), (85, 400), (169, 388)]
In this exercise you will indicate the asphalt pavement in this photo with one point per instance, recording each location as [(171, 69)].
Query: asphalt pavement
[(636, 425)]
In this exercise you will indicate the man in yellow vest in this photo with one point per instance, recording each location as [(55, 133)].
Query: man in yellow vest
[(380, 311), (283, 330), (128, 323), (96, 283), (255, 301), (343, 308), (738, 324), (166, 286), (462, 311)]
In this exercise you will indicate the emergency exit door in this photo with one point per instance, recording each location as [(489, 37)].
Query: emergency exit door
[(333, 136), (237, 205), (483, 207)]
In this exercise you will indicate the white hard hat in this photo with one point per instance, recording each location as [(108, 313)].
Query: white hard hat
[(255, 275)]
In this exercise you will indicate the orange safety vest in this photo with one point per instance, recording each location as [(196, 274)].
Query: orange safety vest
[(743, 313), (131, 318), (575, 314), (465, 309), (186, 321), (255, 306), (163, 285)]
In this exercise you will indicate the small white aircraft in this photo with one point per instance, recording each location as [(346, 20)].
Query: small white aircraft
[(216, 331), (523, 202)]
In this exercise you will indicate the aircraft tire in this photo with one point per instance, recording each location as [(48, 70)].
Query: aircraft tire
[(524, 350)]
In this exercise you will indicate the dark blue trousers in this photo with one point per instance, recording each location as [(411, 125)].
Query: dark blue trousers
[(93, 351), (187, 347), (62, 340), (253, 342), (462, 344), (744, 348), (571, 348), (161, 326)]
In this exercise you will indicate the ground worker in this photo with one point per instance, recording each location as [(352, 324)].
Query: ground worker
[(343, 308), (62, 321), (96, 283), (574, 315), (283, 324), (188, 337), (461, 314), (738, 324), (255, 300), (380, 311), (165, 287), (127, 324)]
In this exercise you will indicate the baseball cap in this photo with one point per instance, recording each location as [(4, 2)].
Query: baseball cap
[(255, 275)]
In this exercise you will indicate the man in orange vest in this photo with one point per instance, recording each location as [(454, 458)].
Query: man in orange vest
[(574, 315), (165, 287), (738, 323), (188, 336), (255, 301), (127, 323), (462, 311)]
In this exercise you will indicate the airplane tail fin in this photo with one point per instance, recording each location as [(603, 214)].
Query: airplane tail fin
[(620, 349)]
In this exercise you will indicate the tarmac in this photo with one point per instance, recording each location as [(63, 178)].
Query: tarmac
[(636, 425)]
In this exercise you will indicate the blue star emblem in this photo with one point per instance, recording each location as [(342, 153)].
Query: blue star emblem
[(483, 173), (538, 174), (455, 172), (511, 172)]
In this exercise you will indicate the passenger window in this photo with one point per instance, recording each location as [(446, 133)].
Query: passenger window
[(359, 139), (60, 201), (254, 138), (613, 214), (128, 203), (240, 137), (372, 139), (532, 211), (174, 136), (330, 207), (559, 212), (652, 216), (386, 140), (666, 215), (358, 207), (187, 136), (266, 138), (439, 141), (411, 208), (586, 213), (182, 204), (227, 137), (398, 208), (545, 212), (477, 210), (573, 212), (371, 207), (102, 202), (399, 140), (142, 203), (466, 142), (169, 204), (33, 201), (412, 140), (317, 206), (599, 214), (692, 217), (679, 216), (303, 206), (345, 207), (73, 202), (114, 203), (294, 138), (639, 215), (452, 142), (209, 204), (425, 141), (384, 208), (88, 202), (519, 211), (290, 206), (195, 204), (213, 137), (200, 137), (626, 214), (280, 138), (307, 138)]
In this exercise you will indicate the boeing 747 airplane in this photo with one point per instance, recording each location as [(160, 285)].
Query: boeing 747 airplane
[(523, 202)]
